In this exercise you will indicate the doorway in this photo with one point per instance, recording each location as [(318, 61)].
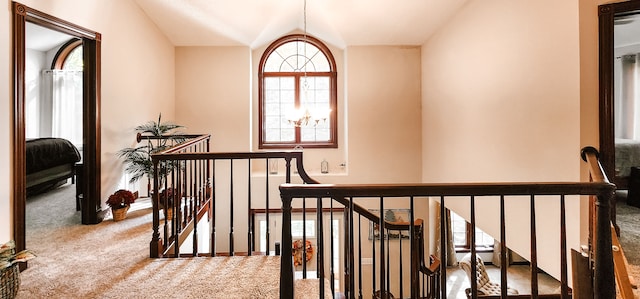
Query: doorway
[(91, 204)]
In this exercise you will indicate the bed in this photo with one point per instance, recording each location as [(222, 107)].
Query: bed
[(627, 155), (50, 161)]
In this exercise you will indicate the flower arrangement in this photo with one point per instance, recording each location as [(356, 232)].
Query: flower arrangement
[(297, 251), (122, 198), (8, 257)]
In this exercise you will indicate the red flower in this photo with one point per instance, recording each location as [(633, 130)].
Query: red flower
[(121, 199)]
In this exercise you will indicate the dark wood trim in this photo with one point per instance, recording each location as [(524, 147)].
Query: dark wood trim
[(19, 141), (63, 53), (93, 213), (91, 122), (606, 15)]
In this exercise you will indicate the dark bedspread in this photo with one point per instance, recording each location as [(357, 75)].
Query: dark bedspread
[(43, 153)]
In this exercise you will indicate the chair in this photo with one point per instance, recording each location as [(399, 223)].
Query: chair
[(484, 283)]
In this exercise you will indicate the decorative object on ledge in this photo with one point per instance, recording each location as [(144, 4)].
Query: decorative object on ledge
[(120, 201), (324, 166), (273, 166), (297, 252), (9, 272)]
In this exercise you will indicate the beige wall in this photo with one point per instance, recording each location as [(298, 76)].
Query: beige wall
[(137, 82), (501, 102), (213, 94), (383, 104)]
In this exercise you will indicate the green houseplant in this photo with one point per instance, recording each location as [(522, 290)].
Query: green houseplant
[(159, 136)]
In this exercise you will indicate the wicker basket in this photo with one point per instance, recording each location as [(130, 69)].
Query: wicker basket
[(119, 214), (9, 282)]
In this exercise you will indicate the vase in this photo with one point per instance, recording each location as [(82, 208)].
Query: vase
[(119, 213)]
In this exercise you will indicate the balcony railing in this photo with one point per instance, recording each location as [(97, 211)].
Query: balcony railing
[(352, 197)]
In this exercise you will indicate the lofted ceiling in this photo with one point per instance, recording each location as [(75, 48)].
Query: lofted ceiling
[(257, 22)]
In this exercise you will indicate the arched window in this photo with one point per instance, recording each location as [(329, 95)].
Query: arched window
[(69, 57), (297, 94)]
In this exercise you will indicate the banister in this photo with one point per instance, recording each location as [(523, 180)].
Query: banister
[(600, 187), (590, 155)]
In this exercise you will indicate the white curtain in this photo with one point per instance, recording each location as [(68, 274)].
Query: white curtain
[(627, 97), (450, 251), (64, 91)]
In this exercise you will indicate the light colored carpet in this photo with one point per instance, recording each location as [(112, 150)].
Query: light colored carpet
[(111, 260), (628, 218)]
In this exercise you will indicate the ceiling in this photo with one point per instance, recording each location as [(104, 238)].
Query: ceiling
[(342, 23), (256, 23), (43, 39)]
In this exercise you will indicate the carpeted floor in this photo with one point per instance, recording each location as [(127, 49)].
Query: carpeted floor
[(628, 218), (110, 259)]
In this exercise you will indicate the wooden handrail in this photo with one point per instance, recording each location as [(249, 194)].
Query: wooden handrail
[(600, 187), (444, 189)]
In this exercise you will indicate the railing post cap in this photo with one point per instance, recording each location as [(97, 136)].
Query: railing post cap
[(591, 149)]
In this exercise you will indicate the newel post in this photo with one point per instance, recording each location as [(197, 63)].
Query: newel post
[(286, 261), (604, 280), (155, 247)]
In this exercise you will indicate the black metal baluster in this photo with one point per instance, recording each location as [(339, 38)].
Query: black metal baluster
[(443, 252), (534, 253), (268, 233), (231, 200), (212, 227), (250, 227), (563, 250), (474, 264), (320, 246)]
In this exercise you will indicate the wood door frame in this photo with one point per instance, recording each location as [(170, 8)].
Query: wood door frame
[(91, 204), (606, 17)]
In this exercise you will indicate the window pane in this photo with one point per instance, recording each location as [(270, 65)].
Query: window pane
[(483, 239), (459, 227), (297, 228), (314, 96), (278, 98), (73, 62)]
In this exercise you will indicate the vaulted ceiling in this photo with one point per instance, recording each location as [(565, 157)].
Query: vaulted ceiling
[(257, 22)]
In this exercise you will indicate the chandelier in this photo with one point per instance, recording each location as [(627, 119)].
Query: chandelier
[(305, 115)]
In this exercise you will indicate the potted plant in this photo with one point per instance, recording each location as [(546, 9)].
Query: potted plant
[(120, 201), (159, 136), (167, 196), (9, 272)]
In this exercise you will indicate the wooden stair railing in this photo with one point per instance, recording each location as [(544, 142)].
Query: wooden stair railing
[(476, 193), (191, 192)]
